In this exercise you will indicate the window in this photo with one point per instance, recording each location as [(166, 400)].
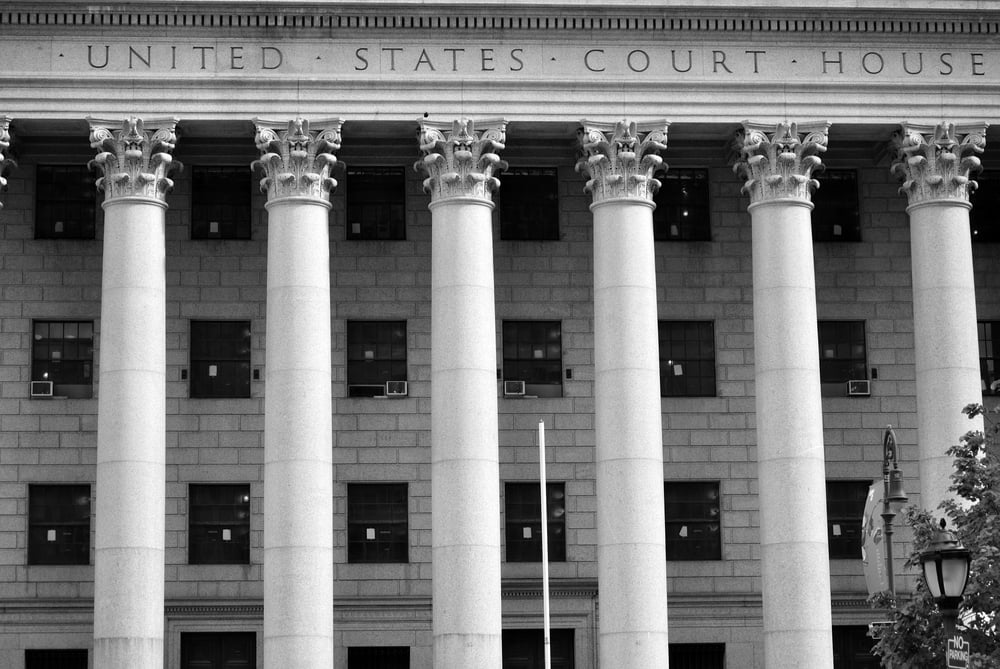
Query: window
[(697, 656), (682, 211), (63, 353), (523, 521), (378, 657), (687, 358), (693, 520), (220, 359), (376, 203), (60, 658), (58, 524), (218, 650), (218, 524), (986, 207), (989, 356), (376, 353), (377, 526), (852, 648), (842, 353), (65, 202), (835, 214), (220, 202), (525, 648), (528, 203), (845, 506), (532, 352)]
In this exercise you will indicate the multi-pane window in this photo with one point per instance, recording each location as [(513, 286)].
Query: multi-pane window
[(687, 358), (697, 656), (852, 648), (528, 203), (55, 658), (219, 524), (220, 359), (377, 522), (376, 354), (58, 524), (693, 517), (842, 356), (836, 216), (62, 353), (682, 211), (376, 203), (532, 353), (220, 202), (378, 657), (845, 506), (65, 202), (989, 356), (525, 648), (218, 650), (985, 215), (523, 521)]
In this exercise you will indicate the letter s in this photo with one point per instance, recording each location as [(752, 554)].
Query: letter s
[(360, 54)]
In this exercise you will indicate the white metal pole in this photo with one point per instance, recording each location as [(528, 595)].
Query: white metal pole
[(545, 546)]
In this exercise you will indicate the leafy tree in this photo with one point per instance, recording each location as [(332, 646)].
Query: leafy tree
[(916, 637)]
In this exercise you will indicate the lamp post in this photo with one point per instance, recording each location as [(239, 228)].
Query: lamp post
[(946, 571), (893, 497)]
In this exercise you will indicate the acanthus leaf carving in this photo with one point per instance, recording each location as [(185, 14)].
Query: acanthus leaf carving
[(935, 162), (296, 160), (134, 159), (777, 161), (459, 160), (620, 159)]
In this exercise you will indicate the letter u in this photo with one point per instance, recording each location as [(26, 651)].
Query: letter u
[(90, 56)]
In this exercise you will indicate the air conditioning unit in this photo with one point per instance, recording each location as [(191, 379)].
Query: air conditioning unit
[(513, 388), (41, 389), (859, 388), (395, 389)]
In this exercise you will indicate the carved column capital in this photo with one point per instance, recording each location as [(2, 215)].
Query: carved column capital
[(777, 161), (619, 159), (135, 157), (460, 160), (296, 160), (934, 162), (5, 162)]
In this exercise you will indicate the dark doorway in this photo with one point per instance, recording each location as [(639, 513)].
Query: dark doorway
[(55, 659), (218, 650), (852, 648), (524, 649)]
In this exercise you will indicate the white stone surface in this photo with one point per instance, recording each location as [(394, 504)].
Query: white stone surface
[(298, 439), (795, 564), (131, 441)]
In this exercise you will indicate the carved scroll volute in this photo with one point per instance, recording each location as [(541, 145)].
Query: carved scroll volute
[(297, 161), (620, 159), (5, 162), (460, 160), (935, 162), (777, 161), (134, 158)]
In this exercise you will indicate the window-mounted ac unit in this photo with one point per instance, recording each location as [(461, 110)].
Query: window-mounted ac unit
[(41, 389), (513, 388), (395, 389), (859, 388)]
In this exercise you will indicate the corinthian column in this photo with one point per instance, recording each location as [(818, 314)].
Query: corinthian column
[(4, 146), (934, 163), (131, 423), (298, 428), (619, 161), (465, 475)]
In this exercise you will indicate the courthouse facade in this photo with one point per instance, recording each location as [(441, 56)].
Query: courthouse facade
[(287, 289)]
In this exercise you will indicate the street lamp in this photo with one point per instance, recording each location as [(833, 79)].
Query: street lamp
[(946, 571), (893, 497)]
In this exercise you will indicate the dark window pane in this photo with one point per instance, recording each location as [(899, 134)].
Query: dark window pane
[(525, 648), (376, 353), (697, 656), (523, 521), (842, 355), (986, 207), (220, 202), (218, 650), (63, 352), (528, 203), (377, 522), (219, 524), (687, 358), (58, 524), (53, 658), (693, 517), (532, 352), (376, 203), (682, 211), (852, 648), (835, 214), (845, 506), (989, 356), (378, 657), (65, 202), (220, 359)]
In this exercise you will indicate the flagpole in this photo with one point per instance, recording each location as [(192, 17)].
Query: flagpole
[(545, 546)]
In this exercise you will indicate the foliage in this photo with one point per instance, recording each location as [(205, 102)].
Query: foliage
[(916, 638)]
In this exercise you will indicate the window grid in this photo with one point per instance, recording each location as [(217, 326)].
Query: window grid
[(989, 356), (682, 206), (842, 355), (376, 353), (58, 524), (845, 506), (523, 521), (985, 207), (65, 202), (63, 353), (528, 203), (532, 352), (220, 359), (228, 650), (836, 213), (219, 524), (220, 202), (55, 658), (378, 657), (376, 203), (693, 520), (687, 358), (377, 522), (697, 656)]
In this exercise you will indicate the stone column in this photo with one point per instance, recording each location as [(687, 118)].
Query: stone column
[(5, 162), (777, 163), (298, 427), (134, 157), (465, 475), (619, 161), (934, 163)]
